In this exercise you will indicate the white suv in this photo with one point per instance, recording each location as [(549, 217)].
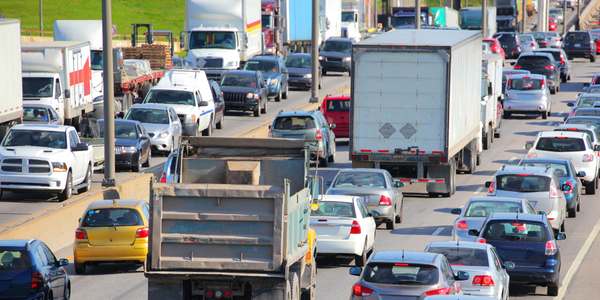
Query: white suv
[(576, 146)]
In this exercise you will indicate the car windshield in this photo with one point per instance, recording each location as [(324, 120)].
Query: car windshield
[(298, 62), (539, 35), (294, 123), (155, 116), (39, 138), (122, 131), (525, 84), (335, 46), (484, 208), (555, 54), (490, 43), (359, 179), (35, 114), (14, 260), (239, 80), (37, 87), (587, 101), (526, 38), (560, 169), (400, 273), (516, 231), (338, 105), (577, 37), (335, 209), (523, 183), (170, 97), (594, 121), (207, 39), (459, 256), (268, 67), (117, 216)]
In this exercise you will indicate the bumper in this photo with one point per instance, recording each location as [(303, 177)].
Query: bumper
[(579, 53), (342, 131), (590, 173), (127, 160), (162, 143), (273, 90), (489, 292), (300, 82), (54, 182), (189, 129), (386, 213), (86, 253), (534, 275), (340, 66), (525, 107), (353, 245), (241, 105)]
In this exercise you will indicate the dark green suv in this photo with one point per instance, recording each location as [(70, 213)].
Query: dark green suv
[(309, 125)]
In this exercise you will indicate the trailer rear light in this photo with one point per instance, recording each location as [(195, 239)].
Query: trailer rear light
[(354, 157), (549, 67), (462, 225), (355, 228), (318, 134), (587, 158), (570, 190), (483, 280), (385, 201), (81, 234), (551, 248), (443, 159), (163, 178), (442, 291), (431, 159), (365, 157), (517, 66), (36, 280), (227, 294), (361, 291), (142, 232), (270, 134), (208, 294)]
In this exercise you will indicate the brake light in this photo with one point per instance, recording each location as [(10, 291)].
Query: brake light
[(575, 129), (532, 45), (385, 201), (553, 189), (543, 82), (442, 291), (549, 67), (227, 294), (462, 225), (551, 248), (517, 67), (587, 158), (81, 234), (482, 241), (401, 265), (142, 232), (163, 177), (573, 112), (492, 190), (562, 59), (544, 43), (361, 291), (483, 280), (270, 134), (36, 280), (532, 155), (208, 294), (355, 228), (570, 191)]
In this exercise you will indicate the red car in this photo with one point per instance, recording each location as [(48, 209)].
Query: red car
[(496, 47), (336, 109), (551, 24), (596, 37)]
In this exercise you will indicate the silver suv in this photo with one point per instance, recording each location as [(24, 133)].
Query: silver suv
[(539, 185)]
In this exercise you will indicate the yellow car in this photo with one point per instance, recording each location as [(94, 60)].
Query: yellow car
[(112, 231)]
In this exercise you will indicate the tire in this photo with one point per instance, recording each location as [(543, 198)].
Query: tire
[(572, 213), (311, 293), (593, 58), (87, 180), (138, 167), (221, 121), (563, 78), (331, 158), (557, 89), (360, 260), (553, 91), (579, 205), (452, 185), (399, 217), (553, 289), (545, 115), (68, 191), (80, 268), (569, 77), (208, 130), (487, 142), (507, 115), (264, 110), (286, 94), (320, 82), (391, 224), (67, 293), (257, 112), (295, 287), (590, 188), (278, 97), (149, 159), (562, 226), (324, 72), (323, 162), (171, 148)]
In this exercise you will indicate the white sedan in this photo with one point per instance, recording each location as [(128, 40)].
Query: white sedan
[(344, 225)]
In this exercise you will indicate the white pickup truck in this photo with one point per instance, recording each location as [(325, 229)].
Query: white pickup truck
[(45, 158)]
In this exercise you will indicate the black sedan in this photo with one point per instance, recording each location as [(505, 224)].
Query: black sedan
[(299, 67), (336, 55), (132, 144), (244, 90)]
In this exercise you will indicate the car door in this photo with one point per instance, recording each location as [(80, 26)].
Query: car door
[(500, 269), (397, 193), (263, 88), (176, 124), (203, 117), (284, 74), (144, 141), (57, 273), (330, 135), (79, 158), (218, 98)]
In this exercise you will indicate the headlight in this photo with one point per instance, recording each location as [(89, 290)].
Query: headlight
[(190, 119), (271, 50), (252, 95), (320, 57), (163, 133), (59, 167), (274, 81), (232, 64), (348, 58), (307, 76), (131, 149)]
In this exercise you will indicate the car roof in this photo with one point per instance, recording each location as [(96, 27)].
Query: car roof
[(404, 256), (116, 203), (338, 198), (151, 106), (536, 54), (570, 134), (516, 72), (123, 121), (57, 128), (295, 113), (37, 105), (523, 170), (337, 97), (362, 170), (457, 244), (493, 199), (545, 160), (16, 243), (516, 216), (339, 40), (299, 55), (241, 72), (576, 126), (546, 50), (591, 95), (265, 58)]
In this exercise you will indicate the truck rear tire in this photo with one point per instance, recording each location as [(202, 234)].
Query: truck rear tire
[(145, 90), (487, 141), (311, 292)]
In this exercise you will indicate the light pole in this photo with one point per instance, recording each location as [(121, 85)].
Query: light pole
[(41, 19), (109, 108), (314, 96)]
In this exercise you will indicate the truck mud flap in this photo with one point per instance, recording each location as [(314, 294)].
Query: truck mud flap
[(448, 172)]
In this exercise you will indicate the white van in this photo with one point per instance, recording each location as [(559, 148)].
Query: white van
[(188, 92)]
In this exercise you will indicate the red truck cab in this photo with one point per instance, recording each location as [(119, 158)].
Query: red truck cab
[(336, 109), (269, 11)]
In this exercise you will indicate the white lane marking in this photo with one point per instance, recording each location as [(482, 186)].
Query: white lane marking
[(512, 159), (478, 190), (550, 123), (578, 261), (437, 231), (561, 112)]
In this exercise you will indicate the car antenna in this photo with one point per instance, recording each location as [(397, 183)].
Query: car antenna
[(402, 254)]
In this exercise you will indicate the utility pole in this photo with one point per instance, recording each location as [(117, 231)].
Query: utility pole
[(41, 19), (564, 17), (109, 108), (417, 14), (523, 16), (578, 24), (484, 19), (314, 96)]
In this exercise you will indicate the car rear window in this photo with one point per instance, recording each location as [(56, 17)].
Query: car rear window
[(338, 105), (587, 101), (335, 209), (484, 208), (526, 38), (559, 169), (401, 273), (593, 121), (533, 60), (560, 144), (523, 183), (577, 37), (112, 216), (11, 260), (505, 38), (360, 179), (518, 231), (463, 256), (587, 112), (525, 84), (555, 54), (294, 123)]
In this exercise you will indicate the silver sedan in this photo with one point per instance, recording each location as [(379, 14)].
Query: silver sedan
[(377, 188), (161, 122), (528, 94), (583, 100), (528, 43)]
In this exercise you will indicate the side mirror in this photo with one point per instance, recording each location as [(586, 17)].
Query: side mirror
[(581, 174), (332, 125), (355, 271), (597, 147), (565, 187), (561, 236), (571, 104), (181, 41), (374, 214), (138, 100), (508, 265), (80, 147), (398, 184), (63, 262), (541, 213), (67, 93), (473, 232), (328, 183), (203, 103), (513, 63), (461, 275), (586, 84), (528, 146), (269, 127), (488, 184), (456, 211)]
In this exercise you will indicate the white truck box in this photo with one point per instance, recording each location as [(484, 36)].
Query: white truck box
[(357, 17), (330, 19), (58, 74), (418, 107), (11, 95), (491, 91)]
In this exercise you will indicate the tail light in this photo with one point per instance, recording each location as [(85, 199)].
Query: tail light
[(544, 43), (208, 294), (483, 280), (573, 112), (562, 60), (142, 232), (462, 225), (442, 291), (492, 190), (482, 241), (355, 228), (587, 158), (557, 40), (543, 82), (81, 234), (517, 67), (318, 134), (549, 67), (36, 280), (361, 291), (163, 177), (551, 248), (227, 294), (385, 201), (532, 45), (570, 191), (270, 134), (532, 155)]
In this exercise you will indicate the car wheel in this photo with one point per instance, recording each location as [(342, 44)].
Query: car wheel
[(572, 213), (593, 58), (507, 115), (171, 148), (264, 110), (562, 227), (553, 289), (87, 180), (320, 82), (569, 77), (138, 166), (324, 72), (68, 191), (360, 260), (286, 94), (590, 188), (208, 130), (563, 78), (331, 158), (67, 293), (323, 163), (553, 91), (579, 205), (149, 159), (257, 111), (278, 97), (399, 217), (80, 268), (391, 223), (220, 124), (545, 115)]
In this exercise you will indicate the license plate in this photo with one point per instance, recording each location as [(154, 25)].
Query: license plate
[(294, 80), (577, 45)]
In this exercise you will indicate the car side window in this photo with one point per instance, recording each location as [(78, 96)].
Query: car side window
[(588, 142), (40, 257), (530, 209), (447, 270), (496, 261), (141, 129), (146, 211), (49, 255), (173, 114), (363, 209)]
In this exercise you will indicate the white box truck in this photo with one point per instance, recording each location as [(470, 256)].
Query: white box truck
[(11, 95), (415, 105), (222, 34), (491, 93), (358, 16), (330, 19), (58, 74)]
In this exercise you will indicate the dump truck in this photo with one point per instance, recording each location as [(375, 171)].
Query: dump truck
[(235, 225)]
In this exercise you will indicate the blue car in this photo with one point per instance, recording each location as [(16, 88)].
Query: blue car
[(567, 175), (528, 241), (29, 270), (274, 72)]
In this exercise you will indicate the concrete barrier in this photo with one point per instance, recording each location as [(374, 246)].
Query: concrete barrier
[(589, 16), (56, 225)]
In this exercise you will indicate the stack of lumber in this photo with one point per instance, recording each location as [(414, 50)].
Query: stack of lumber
[(158, 55)]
